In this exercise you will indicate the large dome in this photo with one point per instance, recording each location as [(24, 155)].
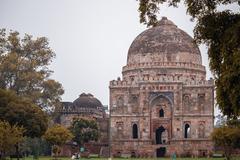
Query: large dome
[(163, 43)]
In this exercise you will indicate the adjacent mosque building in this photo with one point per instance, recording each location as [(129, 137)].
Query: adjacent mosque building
[(163, 104), (88, 107)]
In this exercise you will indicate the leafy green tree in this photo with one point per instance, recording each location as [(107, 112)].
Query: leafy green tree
[(20, 111), (84, 130), (228, 138), (220, 31), (57, 136), (9, 137), (24, 68), (149, 9)]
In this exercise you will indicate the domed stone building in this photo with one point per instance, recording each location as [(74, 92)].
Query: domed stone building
[(86, 105), (89, 107), (163, 104)]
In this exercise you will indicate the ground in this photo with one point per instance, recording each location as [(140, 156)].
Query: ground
[(68, 158)]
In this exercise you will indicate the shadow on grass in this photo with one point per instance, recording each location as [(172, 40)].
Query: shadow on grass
[(96, 158)]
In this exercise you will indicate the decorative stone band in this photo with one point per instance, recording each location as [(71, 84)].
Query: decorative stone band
[(207, 139), (79, 110), (168, 79), (192, 139), (185, 65), (122, 84), (93, 114)]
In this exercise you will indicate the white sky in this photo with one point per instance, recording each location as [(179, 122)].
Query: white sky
[(90, 37)]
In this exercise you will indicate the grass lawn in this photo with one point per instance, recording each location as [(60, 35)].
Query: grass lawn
[(68, 158)]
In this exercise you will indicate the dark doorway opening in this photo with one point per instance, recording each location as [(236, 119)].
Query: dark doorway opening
[(187, 131), (133, 155), (159, 132), (202, 153), (161, 113), (135, 131), (161, 152)]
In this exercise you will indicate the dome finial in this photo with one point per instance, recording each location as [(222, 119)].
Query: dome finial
[(165, 21), (164, 18), (83, 95)]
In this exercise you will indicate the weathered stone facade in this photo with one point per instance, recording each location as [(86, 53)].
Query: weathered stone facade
[(163, 104), (89, 107)]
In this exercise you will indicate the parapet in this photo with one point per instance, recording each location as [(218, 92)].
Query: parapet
[(164, 79), (186, 65)]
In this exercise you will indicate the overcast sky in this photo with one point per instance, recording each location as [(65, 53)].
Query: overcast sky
[(90, 37)]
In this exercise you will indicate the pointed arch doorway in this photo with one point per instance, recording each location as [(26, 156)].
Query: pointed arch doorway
[(158, 134)]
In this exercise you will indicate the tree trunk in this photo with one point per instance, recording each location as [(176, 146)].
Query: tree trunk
[(17, 151), (228, 152), (2, 154)]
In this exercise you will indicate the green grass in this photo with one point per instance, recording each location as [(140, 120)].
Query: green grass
[(69, 158)]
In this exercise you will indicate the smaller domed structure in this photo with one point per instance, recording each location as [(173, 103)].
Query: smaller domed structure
[(86, 105), (87, 101)]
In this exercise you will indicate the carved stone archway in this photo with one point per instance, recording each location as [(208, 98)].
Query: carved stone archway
[(157, 103)]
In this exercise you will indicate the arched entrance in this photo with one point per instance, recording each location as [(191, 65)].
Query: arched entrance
[(161, 122), (159, 132), (161, 151), (187, 131), (161, 113), (134, 131)]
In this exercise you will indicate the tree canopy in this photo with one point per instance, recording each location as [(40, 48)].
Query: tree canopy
[(22, 112), (24, 68), (84, 130), (227, 138), (57, 136), (9, 137), (149, 9), (220, 31)]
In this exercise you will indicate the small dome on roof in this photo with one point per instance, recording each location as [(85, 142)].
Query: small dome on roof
[(87, 101)]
